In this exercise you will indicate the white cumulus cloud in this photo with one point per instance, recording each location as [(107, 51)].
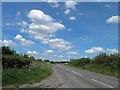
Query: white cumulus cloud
[(43, 23), (43, 28), (107, 5), (113, 19), (95, 50), (72, 18), (72, 52), (67, 11), (60, 56), (23, 40), (22, 23), (101, 50), (71, 4), (60, 44), (7, 43), (18, 14), (53, 3), (49, 51), (112, 51), (32, 52)]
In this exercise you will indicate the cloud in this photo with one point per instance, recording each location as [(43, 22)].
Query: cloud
[(43, 28), (49, 51), (31, 52), (53, 3), (95, 50), (7, 43), (60, 56), (112, 51), (60, 44), (71, 4), (67, 11), (101, 50), (72, 52), (22, 23), (18, 14), (72, 18), (44, 40), (43, 23), (70, 29), (108, 6), (113, 19), (23, 40), (83, 57)]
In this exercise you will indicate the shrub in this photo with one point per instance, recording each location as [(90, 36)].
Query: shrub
[(7, 51), (11, 61), (102, 63)]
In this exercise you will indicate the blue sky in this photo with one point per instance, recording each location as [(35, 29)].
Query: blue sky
[(60, 30)]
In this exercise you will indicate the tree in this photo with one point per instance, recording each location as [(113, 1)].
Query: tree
[(7, 51)]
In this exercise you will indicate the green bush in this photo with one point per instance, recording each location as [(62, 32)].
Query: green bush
[(12, 61), (102, 63), (7, 51), (80, 62)]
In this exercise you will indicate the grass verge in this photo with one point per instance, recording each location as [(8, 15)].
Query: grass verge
[(35, 72), (98, 69)]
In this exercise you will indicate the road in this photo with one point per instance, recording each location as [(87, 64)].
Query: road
[(77, 78)]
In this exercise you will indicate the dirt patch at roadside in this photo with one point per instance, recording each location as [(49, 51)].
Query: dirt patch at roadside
[(50, 82)]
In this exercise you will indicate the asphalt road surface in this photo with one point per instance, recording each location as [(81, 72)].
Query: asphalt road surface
[(77, 78)]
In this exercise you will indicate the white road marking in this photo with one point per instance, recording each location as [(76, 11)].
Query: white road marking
[(102, 83), (74, 72), (77, 73), (69, 70), (82, 75)]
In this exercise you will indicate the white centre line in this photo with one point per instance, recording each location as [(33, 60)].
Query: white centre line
[(74, 72), (69, 70), (77, 73), (102, 83)]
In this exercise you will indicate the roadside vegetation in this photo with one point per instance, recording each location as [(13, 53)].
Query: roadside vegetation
[(21, 68), (102, 63)]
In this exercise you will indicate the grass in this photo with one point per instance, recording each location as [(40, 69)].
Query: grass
[(35, 72), (98, 69), (0, 76)]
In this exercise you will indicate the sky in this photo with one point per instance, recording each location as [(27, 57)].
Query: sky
[(60, 31)]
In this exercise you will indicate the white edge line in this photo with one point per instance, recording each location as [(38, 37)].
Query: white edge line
[(102, 83)]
